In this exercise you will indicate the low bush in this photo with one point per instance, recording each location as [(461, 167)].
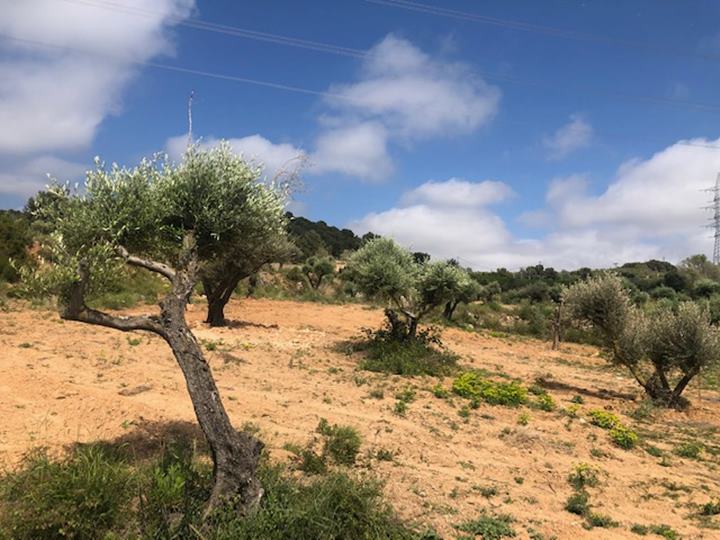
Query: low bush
[(95, 494), (583, 475), (689, 450), (81, 496), (342, 443), (489, 526), (578, 503), (603, 419), (422, 355), (624, 437), (473, 386)]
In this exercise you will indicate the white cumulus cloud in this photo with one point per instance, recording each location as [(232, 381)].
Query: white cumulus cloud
[(64, 73), (650, 209)]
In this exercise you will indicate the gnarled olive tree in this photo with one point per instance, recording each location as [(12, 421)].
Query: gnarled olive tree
[(384, 271), (663, 350), (174, 221)]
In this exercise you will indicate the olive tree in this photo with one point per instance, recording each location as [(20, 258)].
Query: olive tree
[(259, 239), (384, 271), (316, 269), (173, 221), (663, 350)]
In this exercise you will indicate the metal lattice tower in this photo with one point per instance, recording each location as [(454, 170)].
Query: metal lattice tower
[(716, 219)]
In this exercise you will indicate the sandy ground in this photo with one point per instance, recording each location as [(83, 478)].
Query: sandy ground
[(279, 366)]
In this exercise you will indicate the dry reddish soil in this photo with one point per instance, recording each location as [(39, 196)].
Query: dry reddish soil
[(279, 366)]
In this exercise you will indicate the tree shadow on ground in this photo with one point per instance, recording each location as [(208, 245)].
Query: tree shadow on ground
[(601, 393), (151, 438), (248, 324)]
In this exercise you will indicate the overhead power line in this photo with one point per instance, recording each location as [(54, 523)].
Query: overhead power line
[(541, 29), (343, 97), (235, 31), (359, 53)]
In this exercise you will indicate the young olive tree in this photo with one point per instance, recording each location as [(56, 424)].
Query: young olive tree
[(316, 269), (174, 221), (663, 350), (384, 271)]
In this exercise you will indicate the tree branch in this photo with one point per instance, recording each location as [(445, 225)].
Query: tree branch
[(152, 266), (74, 309), (125, 324)]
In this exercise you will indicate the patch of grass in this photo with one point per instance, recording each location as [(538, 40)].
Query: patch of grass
[(475, 387), (81, 496), (711, 508), (342, 443), (400, 408), (96, 493), (689, 450), (407, 395), (624, 437), (577, 399), (593, 519), (419, 356), (377, 393), (464, 412), (384, 454), (603, 419), (489, 526), (665, 531), (523, 419), (487, 491), (439, 391), (545, 402)]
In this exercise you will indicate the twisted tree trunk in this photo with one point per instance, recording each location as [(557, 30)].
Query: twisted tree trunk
[(235, 454)]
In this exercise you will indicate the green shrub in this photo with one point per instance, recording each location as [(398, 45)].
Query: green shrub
[(583, 475), (311, 463), (407, 395), (664, 531), (577, 503), (711, 508), (94, 494), (439, 391), (489, 526), (342, 443), (624, 437), (599, 520), (689, 450), (603, 419), (333, 506), (545, 402), (79, 497), (422, 355), (400, 408), (475, 387)]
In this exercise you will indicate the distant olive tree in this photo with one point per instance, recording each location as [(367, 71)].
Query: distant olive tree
[(316, 269), (260, 237), (173, 221), (384, 271), (663, 350)]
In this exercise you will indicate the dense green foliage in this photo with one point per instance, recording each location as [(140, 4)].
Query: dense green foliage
[(315, 237), (15, 239), (475, 387), (101, 492), (423, 355)]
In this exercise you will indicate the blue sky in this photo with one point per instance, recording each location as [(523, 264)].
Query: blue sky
[(503, 133)]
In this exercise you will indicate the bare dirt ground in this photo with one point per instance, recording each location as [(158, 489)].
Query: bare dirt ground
[(279, 366)]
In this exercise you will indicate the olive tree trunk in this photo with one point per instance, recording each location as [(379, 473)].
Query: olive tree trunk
[(235, 454)]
